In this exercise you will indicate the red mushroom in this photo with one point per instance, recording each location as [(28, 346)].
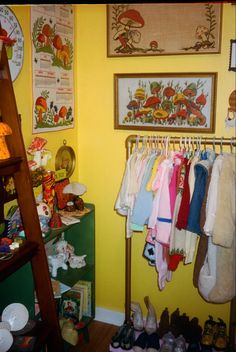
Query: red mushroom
[(41, 39), (202, 120), (183, 114), (57, 43), (131, 18), (47, 31), (169, 92), (41, 107), (153, 45), (201, 100), (152, 102), (63, 112), (133, 105), (190, 91)]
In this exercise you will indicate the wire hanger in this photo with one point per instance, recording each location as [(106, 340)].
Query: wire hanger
[(221, 146)]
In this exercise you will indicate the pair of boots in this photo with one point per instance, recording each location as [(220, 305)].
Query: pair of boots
[(148, 340)]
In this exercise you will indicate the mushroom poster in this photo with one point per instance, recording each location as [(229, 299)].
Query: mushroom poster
[(52, 31), (163, 29), (182, 102)]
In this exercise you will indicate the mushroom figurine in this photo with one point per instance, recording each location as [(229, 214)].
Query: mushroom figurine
[(5, 130), (76, 189)]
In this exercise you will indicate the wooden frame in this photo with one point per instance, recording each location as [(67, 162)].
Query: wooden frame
[(232, 55), (183, 102), (163, 29)]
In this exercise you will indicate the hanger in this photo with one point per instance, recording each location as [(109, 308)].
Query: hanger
[(137, 143), (221, 146), (167, 146), (231, 145), (214, 143)]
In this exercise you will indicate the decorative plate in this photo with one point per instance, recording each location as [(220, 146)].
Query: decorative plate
[(17, 315), (6, 340), (65, 159)]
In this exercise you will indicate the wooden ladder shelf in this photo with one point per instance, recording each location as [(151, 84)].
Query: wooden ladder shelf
[(33, 250)]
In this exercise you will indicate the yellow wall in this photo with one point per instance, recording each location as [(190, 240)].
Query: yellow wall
[(100, 153)]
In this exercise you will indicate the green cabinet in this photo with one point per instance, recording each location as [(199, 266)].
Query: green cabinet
[(82, 237)]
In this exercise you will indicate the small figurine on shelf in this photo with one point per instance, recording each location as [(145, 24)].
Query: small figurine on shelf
[(75, 190), (44, 214), (48, 184), (55, 221), (5, 130), (40, 155)]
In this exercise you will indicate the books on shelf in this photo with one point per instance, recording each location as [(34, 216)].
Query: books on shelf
[(86, 287), (59, 288), (72, 304)]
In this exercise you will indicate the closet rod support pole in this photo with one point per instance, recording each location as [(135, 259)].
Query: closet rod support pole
[(127, 279)]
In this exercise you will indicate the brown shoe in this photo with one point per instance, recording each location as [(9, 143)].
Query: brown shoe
[(209, 331), (220, 338)]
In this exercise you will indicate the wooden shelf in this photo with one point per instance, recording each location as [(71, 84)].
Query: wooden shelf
[(23, 255), (10, 166), (41, 331), (32, 252)]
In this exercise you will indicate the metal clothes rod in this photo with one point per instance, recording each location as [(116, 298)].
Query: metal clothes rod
[(202, 141)]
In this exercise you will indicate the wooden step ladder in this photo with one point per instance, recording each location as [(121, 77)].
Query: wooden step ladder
[(33, 249)]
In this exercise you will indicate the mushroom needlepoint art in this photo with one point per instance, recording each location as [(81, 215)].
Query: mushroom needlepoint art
[(163, 29), (181, 102), (52, 33)]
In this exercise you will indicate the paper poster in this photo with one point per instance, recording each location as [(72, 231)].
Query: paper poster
[(52, 31)]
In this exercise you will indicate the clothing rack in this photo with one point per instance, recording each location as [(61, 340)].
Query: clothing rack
[(130, 142)]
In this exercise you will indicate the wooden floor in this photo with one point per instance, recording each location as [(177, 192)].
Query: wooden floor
[(100, 335)]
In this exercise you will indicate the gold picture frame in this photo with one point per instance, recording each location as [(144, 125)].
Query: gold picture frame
[(183, 102)]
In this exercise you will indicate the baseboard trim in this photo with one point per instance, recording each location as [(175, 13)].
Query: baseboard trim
[(109, 316)]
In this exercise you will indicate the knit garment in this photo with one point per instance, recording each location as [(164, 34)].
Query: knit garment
[(201, 170), (177, 237), (174, 181), (203, 241), (182, 219), (143, 203)]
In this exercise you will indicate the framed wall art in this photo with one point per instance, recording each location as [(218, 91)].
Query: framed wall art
[(183, 102), (163, 29), (232, 55)]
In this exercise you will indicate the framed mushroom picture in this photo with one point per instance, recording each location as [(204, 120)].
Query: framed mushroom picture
[(183, 102), (163, 29)]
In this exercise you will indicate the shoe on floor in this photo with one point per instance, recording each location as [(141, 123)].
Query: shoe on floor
[(137, 316), (208, 332), (153, 343), (141, 342), (119, 335), (127, 340), (220, 338)]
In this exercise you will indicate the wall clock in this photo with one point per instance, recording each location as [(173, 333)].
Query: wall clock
[(12, 30)]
